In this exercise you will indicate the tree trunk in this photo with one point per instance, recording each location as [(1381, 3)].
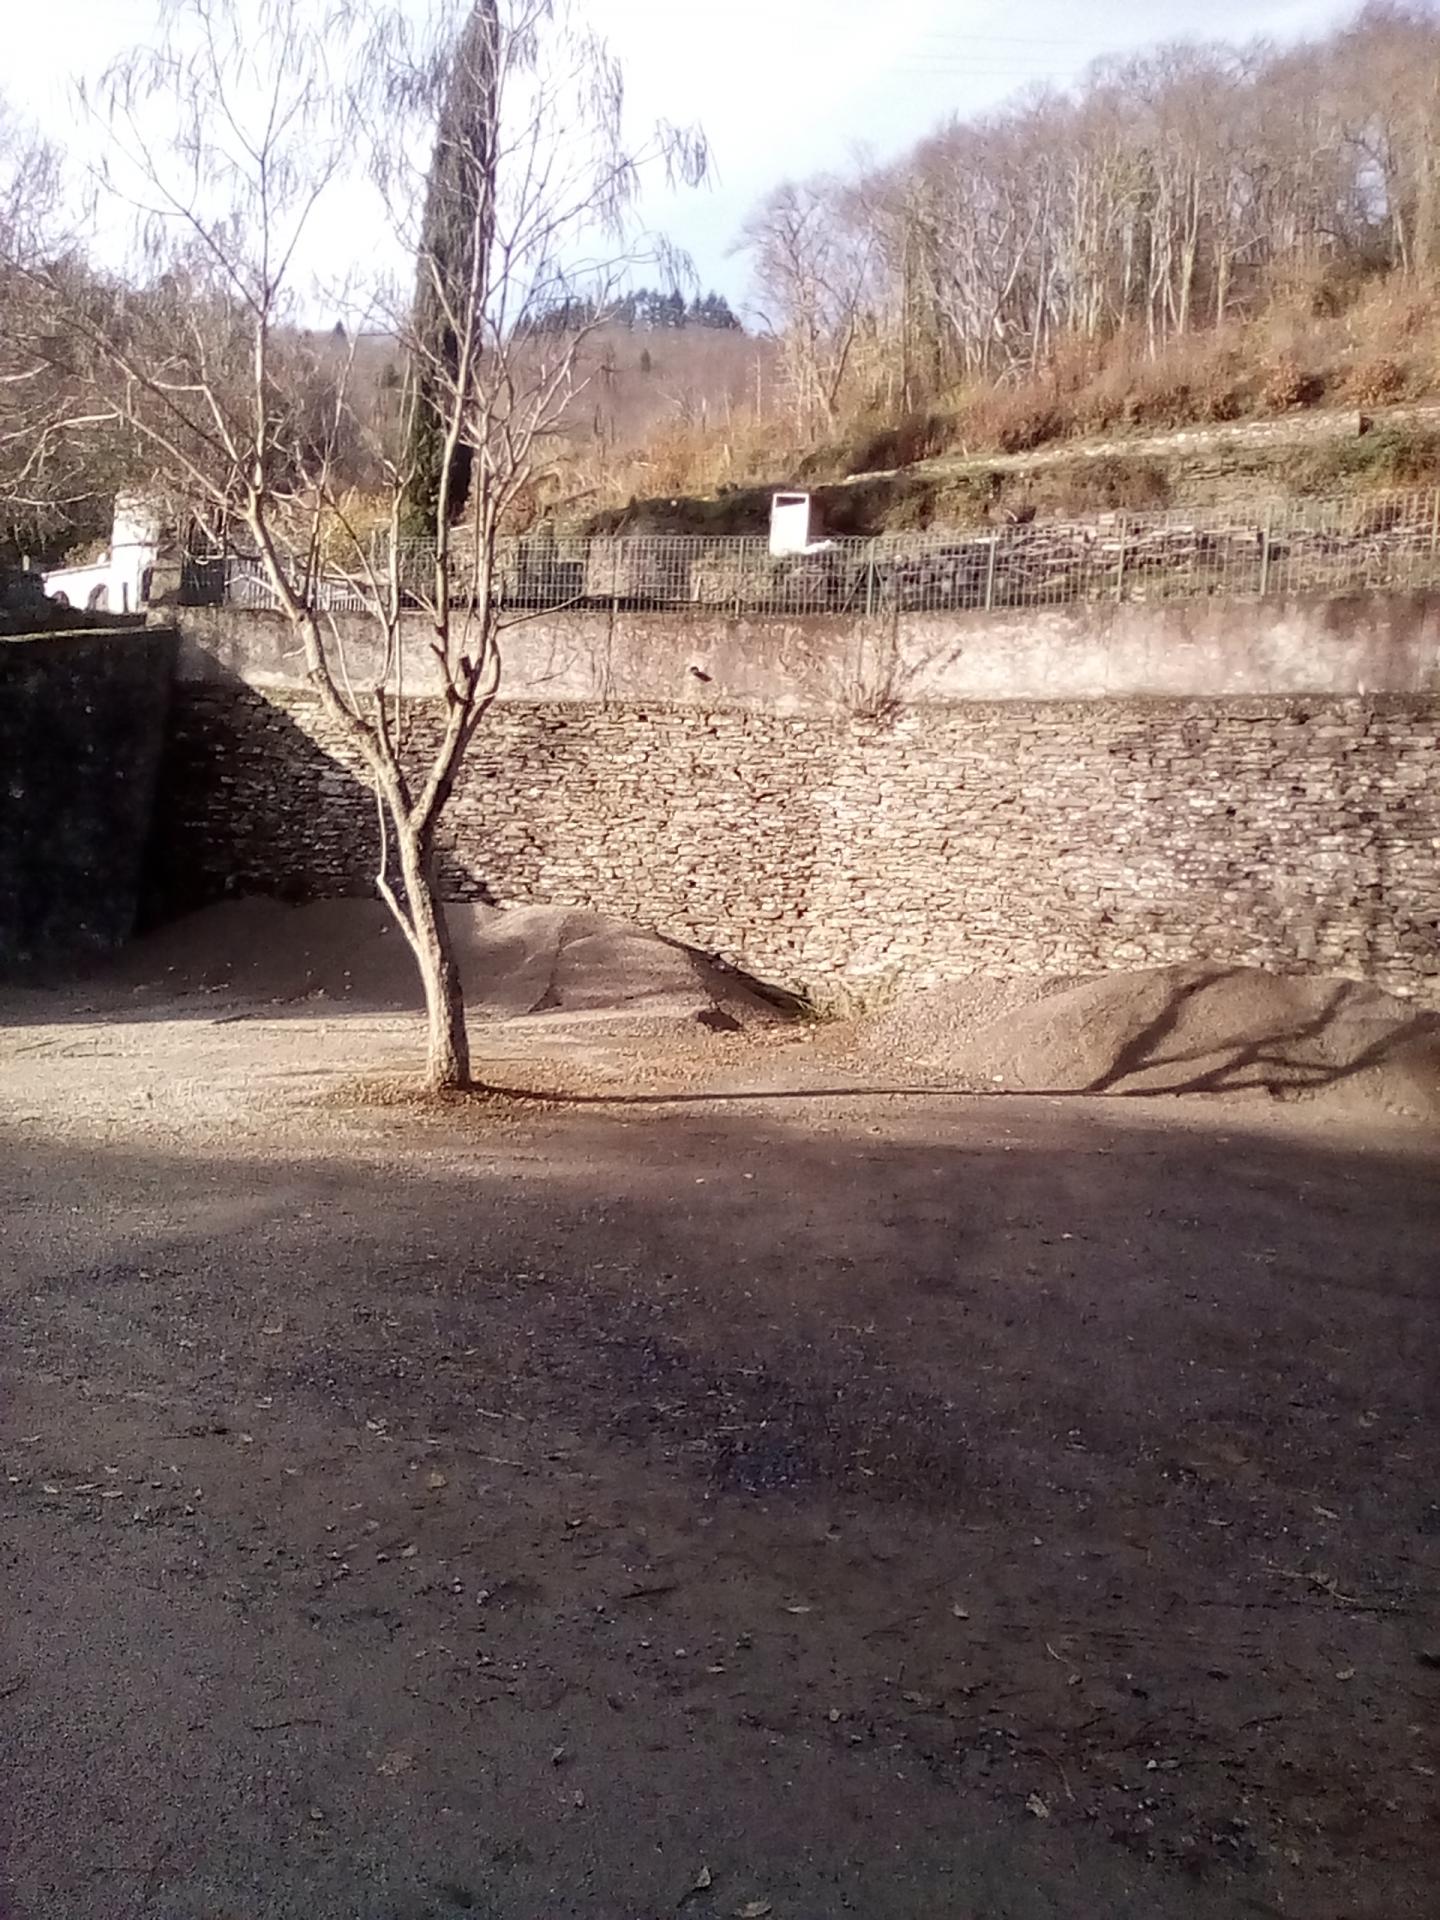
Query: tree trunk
[(447, 1056)]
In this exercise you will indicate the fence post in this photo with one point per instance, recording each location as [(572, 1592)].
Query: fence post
[(617, 555), (1434, 525), (990, 572), (870, 581), (1120, 561), (1265, 555)]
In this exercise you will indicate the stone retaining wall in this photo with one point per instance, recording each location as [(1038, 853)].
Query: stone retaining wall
[(1011, 835), (82, 727)]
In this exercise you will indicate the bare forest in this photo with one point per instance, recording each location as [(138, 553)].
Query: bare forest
[(1176, 193), (1202, 234)]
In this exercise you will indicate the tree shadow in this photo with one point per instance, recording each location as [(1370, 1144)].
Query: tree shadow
[(1280, 1059), (994, 1454), (1140, 1051), (82, 721), (242, 788)]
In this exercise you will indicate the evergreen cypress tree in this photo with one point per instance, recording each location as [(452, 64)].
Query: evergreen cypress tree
[(455, 236)]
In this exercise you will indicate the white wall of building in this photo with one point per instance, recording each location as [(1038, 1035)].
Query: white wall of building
[(119, 581)]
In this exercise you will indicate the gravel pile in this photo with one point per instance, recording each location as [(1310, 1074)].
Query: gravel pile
[(514, 964), (933, 1027), (1175, 1030)]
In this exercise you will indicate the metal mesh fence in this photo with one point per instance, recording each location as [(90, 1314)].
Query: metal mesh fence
[(1330, 546)]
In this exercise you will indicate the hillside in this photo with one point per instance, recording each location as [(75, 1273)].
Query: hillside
[(654, 407), (1201, 238), (1195, 275), (689, 430), (1326, 451), (1330, 389)]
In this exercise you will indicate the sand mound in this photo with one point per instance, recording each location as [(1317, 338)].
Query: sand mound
[(927, 1026), (516, 963), (1191, 1030)]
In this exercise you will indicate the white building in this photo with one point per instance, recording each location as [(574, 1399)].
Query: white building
[(119, 582)]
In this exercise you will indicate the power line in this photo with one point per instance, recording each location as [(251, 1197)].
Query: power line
[(825, 21), (948, 38), (963, 67)]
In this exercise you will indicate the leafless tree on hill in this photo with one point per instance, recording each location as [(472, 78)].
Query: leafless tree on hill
[(812, 269), (243, 416), (45, 478), (1168, 192)]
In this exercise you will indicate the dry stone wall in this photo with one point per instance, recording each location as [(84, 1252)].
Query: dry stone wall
[(82, 729), (1006, 836)]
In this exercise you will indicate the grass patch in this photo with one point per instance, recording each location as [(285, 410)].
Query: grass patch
[(1387, 457)]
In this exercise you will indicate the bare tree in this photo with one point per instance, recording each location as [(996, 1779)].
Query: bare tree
[(1168, 192), (812, 267), (47, 480), (247, 417)]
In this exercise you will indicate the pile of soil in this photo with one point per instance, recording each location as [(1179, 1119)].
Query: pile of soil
[(513, 963), (925, 1026), (1172, 1030)]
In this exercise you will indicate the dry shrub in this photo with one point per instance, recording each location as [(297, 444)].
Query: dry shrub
[(1189, 382), (1376, 383), (1113, 387), (1301, 291), (1075, 363), (1286, 385), (1163, 396), (1224, 402), (1393, 315), (1014, 419), (880, 448), (1390, 344), (679, 460)]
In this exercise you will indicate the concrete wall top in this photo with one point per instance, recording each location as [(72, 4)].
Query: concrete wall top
[(1362, 644)]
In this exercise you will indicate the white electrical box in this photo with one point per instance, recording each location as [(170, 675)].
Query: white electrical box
[(790, 523)]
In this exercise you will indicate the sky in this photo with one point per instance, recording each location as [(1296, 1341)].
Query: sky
[(781, 87)]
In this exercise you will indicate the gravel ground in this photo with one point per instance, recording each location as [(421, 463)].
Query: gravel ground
[(720, 1484)]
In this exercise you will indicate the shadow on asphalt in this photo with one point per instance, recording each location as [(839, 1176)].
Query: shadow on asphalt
[(1019, 1508)]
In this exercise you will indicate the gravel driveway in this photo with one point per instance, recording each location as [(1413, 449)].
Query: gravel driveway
[(821, 1502)]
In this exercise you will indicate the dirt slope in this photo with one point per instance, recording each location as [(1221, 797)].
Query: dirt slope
[(1294, 455)]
